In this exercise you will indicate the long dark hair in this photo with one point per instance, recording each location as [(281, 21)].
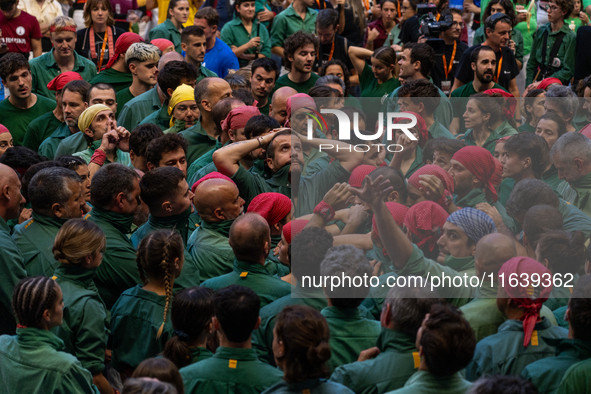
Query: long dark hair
[(507, 5)]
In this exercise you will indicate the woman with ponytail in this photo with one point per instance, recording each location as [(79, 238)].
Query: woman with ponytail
[(192, 310), (33, 361), (301, 350), (79, 246), (140, 322)]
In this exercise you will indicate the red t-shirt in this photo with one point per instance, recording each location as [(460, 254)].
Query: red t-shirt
[(18, 32)]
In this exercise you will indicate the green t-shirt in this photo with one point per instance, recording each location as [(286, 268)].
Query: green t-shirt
[(302, 87), (117, 79), (39, 129), (288, 22), (371, 88), (235, 34), (459, 98), (73, 144), (135, 110), (17, 120), (123, 97), (168, 31)]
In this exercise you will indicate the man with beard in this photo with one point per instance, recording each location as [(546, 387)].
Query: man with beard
[(285, 159), (332, 46), (445, 66), (498, 30), (62, 57), (193, 42), (142, 60), (299, 54), (107, 142), (22, 106), (73, 103), (262, 82), (483, 62)]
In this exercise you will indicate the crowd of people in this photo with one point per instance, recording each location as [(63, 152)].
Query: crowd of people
[(178, 195)]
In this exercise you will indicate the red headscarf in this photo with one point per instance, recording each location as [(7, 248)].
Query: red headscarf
[(238, 117), (432, 169), (481, 164), (123, 43), (425, 220), (58, 83), (293, 228), (398, 212), (586, 131), (545, 83), (211, 175), (302, 101), (162, 43), (422, 126), (271, 206), (497, 177), (359, 173), (529, 298), (508, 112), (3, 129)]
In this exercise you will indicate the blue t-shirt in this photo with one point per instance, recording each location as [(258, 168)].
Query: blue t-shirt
[(220, 59)]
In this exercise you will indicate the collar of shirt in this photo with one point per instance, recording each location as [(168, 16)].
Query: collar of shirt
[(168, 25), (306, 292), (250, 267), (61, 132), (396, 341), (281, 177), (341, 313), (51, 63), (436, 382), (75, 273), (459, 263), (222, 227), (48, 221), (155, 98), (492, 137), (291, 12), (179, 221), (228, 353), (121, 222), (517, 325), (582, 185), (36, 337), (475, 196), (574, 347)]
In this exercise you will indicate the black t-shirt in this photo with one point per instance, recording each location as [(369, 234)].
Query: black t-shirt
[(438, 72), (340, 53), (509, 68), (351, 30), (410, 30), (83, 43)]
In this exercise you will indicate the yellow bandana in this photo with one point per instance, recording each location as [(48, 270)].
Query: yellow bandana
[(86, 118), (180, 94)]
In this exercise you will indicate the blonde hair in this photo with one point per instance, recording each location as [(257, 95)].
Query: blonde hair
[(155, 258), (77, 239), (60, 22), (90, 4)]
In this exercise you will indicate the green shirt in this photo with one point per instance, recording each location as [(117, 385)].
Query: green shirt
[(34, 361), (44, 68), (199, 142), (547, 373), (477, 196), (566, 54), (416, 164), (526, 127), (48, 148), (437, 130), (443, 112), (39, 129), (12, 270), (118, 271), (370, 87), (210, 250), (86, 155), (573, 218), (349, 334), (516, 36), (503, 353), (301, 87), (123, 97), (160, 118), (582, 188), (73, 144), (288, 22), (459, 98), (204, 160), (489, 144), (559, 315), (230, 371), (576, 379), (135, 110), (17, 120), (117, 79), (169, 31), (262, 339), (255, 277), (85, 317), (424, 382), (387, 371), (311, 386), (235, 34), (136, 318), (35, 240)]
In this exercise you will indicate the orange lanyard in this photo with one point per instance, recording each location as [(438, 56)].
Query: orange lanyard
[(398, 6), (331, 53), (366, 3), (446, 69), (499, 68), (107, 39), (100, 63)]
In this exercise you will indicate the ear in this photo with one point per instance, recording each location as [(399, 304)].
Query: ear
[(149, 165), (167, 206), (428, 162), (119, 199), (184, 46), (473, 249), (132, 67), (545, 263), (46, 316), (527, 162), (394, 196), (132, 155), (5, 192), (421, 107), (219, 214), (267, 248), (386, 315), (417, 65), (89, 133), (486, 117), (57, 210), (258, 323), (579, 163), (214, 28), (206, 106), (216, 324), (231, 135), (169, 91), (269, 162)]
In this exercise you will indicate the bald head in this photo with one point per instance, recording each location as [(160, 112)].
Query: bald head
[(209, 92), (278, 109), (217, 200), (492, 251), (10, 193), (250, 238), (169, 57)]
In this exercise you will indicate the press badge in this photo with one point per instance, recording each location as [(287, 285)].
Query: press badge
[(446, 87), (556, 62)]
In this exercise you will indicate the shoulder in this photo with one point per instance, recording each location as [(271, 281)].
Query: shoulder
[(35, 62)]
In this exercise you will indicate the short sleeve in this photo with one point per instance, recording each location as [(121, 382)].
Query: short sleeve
[(464, 74), (35, 29)]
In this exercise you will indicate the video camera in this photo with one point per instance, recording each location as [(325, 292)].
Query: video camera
[(430, 27)]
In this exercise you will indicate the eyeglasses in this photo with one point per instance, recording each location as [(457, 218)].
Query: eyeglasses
[(552, 7), (458, 24)]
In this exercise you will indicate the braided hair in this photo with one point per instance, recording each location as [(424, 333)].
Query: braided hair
[(155, 260), (31, 298)]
